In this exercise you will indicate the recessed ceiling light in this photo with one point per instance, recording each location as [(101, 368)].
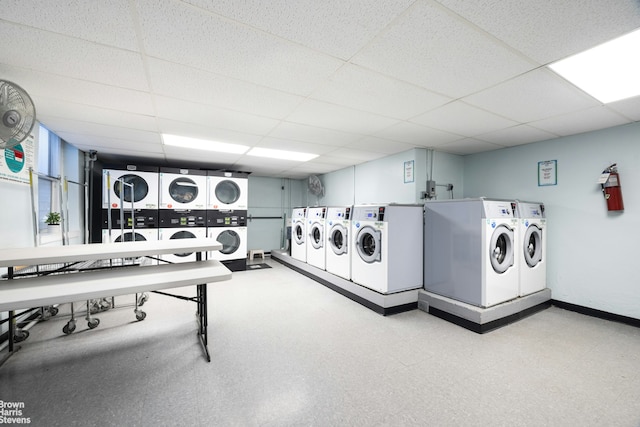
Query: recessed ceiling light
[(203, 144), (608, 72), (281, 154)]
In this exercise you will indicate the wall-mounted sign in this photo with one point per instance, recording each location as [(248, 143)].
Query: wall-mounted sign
[(547, 173), (409, 175), (16, 161)]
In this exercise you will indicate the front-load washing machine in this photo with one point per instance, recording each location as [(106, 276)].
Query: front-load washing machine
[(183, 189), (469, 247), (386, 247), (337, 253), (230, 229), (315, 236), (298, 232), (137, 184), (532, 232), (181, 233), (227, 190)]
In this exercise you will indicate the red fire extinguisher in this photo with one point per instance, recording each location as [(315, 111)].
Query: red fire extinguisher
[(611, 189)]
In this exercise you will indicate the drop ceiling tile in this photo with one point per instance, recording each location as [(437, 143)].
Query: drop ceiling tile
[(181, 33), (463, 119), (356, 156), (108, 23), (178, 81), (533, 96), (339, 28), (44, 51), (315, 168), (415, 134), (379, 145), (331, 116), (43, 85), (365, 90), (551, 30), (312, 134), (192, 130), (86, 113), (191, 112), (581, 121), (467, 146), (109, 145), (301, 147), (435, 49), (60, 124), (517, 135), (334, 158), (203, 156), (628, 107)]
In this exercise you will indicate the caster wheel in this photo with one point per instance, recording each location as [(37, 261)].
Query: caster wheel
[(20, 336), (53, 311), (69, 327), (93, 323), (140, 315)]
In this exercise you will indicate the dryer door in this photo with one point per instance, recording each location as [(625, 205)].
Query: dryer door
[(338, 239), (230, 241), (129, 237), (501, 248), (533, 245), (298, 233), (368, 244), (317, 238), (183, 235), (183, 190), (227, 192), (140, 188)]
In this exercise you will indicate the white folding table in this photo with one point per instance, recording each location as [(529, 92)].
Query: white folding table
[(24, 293)]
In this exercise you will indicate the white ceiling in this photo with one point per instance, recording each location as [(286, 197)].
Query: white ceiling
[(350, 80)]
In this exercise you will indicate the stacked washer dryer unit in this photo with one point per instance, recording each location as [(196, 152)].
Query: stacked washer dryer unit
[(386, 247), (469, 247), (183, 196), (130, 193), (315, 236), (532, 252), (298, 234), (227, 204), (337, 245)]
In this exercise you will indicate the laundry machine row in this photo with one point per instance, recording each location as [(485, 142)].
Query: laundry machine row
[(482, 251), (374, 246)]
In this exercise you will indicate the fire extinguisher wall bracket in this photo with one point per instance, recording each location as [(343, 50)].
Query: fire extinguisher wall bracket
[(611, 189)]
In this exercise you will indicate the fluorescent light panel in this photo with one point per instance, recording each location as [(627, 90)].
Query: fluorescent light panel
[(281, 154), (608, 72), (203, 144)]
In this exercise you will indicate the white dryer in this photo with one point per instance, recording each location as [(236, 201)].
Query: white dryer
[(532, 253), (315, 236), (386, 247), (470, 249), (227, 190), (233, 240), (298, 234), (141, 235), (181, 233), (183, 189), (337, 253), (116, 192)]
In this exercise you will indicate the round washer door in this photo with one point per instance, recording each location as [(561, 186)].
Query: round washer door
[(368, 244), (298, 234), (140, 188), (316, 235), (128, 237), (501, 249), (533, 245), (338, 239), (227, 192), (183, 190), (183, 235), (230, 241)]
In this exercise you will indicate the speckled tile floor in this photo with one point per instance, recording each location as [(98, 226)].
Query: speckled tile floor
[(286, 351)]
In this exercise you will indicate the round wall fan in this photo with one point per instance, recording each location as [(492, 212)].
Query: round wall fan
[(17, 114), (315, 186)]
